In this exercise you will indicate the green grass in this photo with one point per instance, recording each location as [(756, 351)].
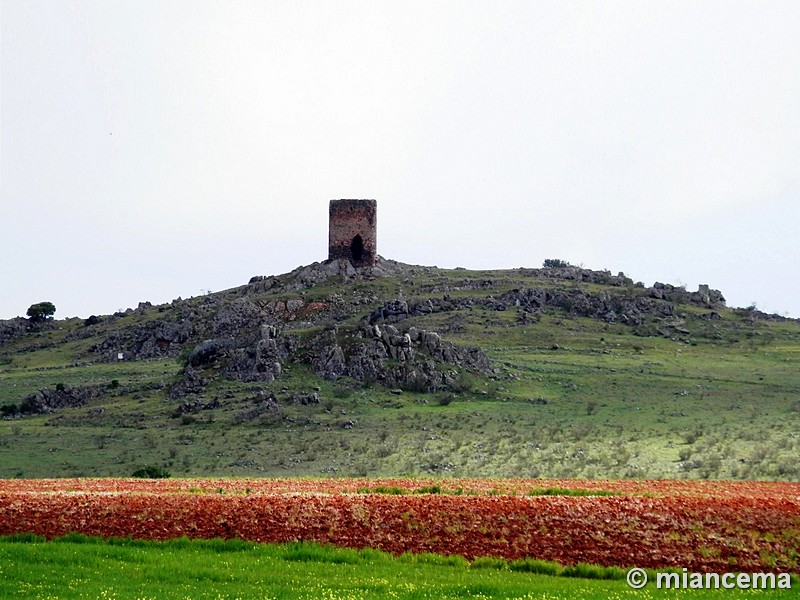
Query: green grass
[(80, 567)]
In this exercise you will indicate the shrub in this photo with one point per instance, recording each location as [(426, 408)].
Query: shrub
[(431, 489), (462, 384), (570, 492), (8, 410), (151, 472), (555, 263), (29, 405), (393, 490), (444, 399), (692, 436), (341, 390)]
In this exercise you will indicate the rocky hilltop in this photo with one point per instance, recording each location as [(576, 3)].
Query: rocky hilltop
[(247, 334), (324, 331)]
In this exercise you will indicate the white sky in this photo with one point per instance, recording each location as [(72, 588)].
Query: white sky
[(156, 149)]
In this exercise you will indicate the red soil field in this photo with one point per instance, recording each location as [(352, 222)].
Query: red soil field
[(703, 526)]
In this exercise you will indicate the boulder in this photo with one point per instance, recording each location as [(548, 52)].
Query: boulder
[(63, 396), (208, 353), (231, 318), (304, 399), (330, 363)]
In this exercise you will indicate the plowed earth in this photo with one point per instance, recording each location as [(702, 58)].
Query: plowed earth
[(703, 526)]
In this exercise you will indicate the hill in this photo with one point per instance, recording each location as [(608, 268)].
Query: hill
[(407, 370)]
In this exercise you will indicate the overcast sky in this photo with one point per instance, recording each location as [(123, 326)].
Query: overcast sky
[(156, 149)]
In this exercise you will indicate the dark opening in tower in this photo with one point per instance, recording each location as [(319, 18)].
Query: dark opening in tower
[(357, 249)]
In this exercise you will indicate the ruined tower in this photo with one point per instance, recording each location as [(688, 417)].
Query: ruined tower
[(352, 231)]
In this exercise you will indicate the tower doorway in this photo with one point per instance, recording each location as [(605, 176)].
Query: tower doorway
[(357, 249)]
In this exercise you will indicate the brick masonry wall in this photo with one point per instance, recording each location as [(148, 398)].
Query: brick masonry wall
[(348, 219)]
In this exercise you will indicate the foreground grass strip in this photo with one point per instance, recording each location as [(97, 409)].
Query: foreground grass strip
[(77, 566)]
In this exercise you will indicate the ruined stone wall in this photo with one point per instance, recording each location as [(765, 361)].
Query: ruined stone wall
[(352, 232)]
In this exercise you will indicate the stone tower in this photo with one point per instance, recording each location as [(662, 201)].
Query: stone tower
[(352, 231)]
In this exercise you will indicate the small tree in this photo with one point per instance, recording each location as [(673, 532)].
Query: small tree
[(555, 263), (41, 311)]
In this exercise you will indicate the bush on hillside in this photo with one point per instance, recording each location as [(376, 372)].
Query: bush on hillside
[(151, 472)]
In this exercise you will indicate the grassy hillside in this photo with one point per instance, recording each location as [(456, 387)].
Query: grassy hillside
[(590, 375)]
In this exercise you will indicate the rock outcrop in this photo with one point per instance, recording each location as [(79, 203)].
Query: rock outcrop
[(415, 359), (11, 328), (63, 396), (601, 305), (156, 339)]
